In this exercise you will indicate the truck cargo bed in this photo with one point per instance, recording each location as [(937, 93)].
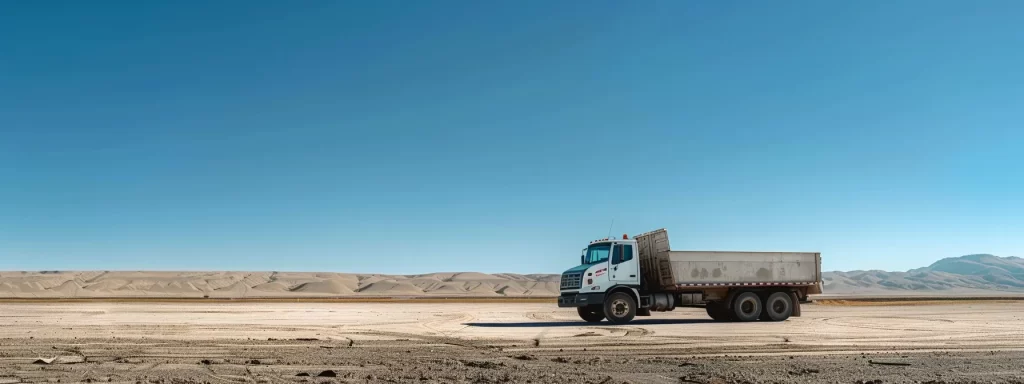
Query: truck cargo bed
[(703, 267), (664, 269)]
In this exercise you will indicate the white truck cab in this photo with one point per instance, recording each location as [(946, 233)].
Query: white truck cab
[(605, 264)]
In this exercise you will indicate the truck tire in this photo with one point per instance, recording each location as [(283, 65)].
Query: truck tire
[(717, 311), (619, 308), (591, 313), (712, 312), (796, 304), (746, 307), (777, 307)]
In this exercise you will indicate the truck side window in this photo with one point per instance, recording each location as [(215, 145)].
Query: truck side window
[(616, 254), (622, 253)]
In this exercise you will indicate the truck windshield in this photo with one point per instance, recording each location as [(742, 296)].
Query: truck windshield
[(597, 253)]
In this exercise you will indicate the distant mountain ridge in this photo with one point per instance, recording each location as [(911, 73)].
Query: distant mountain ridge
[(970, 274)]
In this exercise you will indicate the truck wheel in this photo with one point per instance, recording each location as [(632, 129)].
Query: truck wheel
[(591, 313), (746, 306), (777, 307), (717, 311), (619, 308)]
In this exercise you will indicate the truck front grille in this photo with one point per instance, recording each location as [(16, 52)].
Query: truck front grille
[(571, 281)]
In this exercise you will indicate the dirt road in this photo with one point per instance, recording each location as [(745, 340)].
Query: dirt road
[(495, 342)]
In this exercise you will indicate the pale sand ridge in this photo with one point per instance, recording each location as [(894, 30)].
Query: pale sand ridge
[(967, 275), (143, 284)]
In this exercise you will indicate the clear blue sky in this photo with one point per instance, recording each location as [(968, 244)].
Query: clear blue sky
[(408, 137)]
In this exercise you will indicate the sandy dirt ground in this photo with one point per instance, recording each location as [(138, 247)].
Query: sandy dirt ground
[(503, 342)]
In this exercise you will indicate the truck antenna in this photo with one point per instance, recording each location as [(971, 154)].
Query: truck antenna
[(610, 228)]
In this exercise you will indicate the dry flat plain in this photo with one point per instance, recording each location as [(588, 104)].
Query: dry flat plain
[(170, 343)]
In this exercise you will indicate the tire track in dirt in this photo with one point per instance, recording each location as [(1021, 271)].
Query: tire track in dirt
[(847, 322), (429, 339), (630, 331), (434, 325), (540, 316)]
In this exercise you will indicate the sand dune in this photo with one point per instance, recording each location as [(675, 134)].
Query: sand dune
[(972, 274), (274, 286), (473, 276), (326, 287), (391, 287), (137, 284)]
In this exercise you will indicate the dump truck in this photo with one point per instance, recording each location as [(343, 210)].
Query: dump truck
[(618, 279)]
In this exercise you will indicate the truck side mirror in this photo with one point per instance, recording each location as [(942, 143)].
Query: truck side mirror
[(581, 259)]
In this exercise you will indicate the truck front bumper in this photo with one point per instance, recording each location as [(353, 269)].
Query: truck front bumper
[(580, 299)]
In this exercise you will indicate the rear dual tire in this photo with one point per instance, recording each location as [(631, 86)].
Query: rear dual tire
[(778, 306), (749, 306), (746, 306)]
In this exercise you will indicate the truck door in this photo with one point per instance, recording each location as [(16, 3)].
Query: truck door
[(624, 265)]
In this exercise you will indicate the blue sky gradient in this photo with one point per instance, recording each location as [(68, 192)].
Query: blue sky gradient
[(410, 137)]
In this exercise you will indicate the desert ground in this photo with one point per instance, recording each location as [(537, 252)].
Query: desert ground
[(450, 342)]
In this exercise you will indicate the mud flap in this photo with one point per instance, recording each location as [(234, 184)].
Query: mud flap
[(643, 312), (796, 304)]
